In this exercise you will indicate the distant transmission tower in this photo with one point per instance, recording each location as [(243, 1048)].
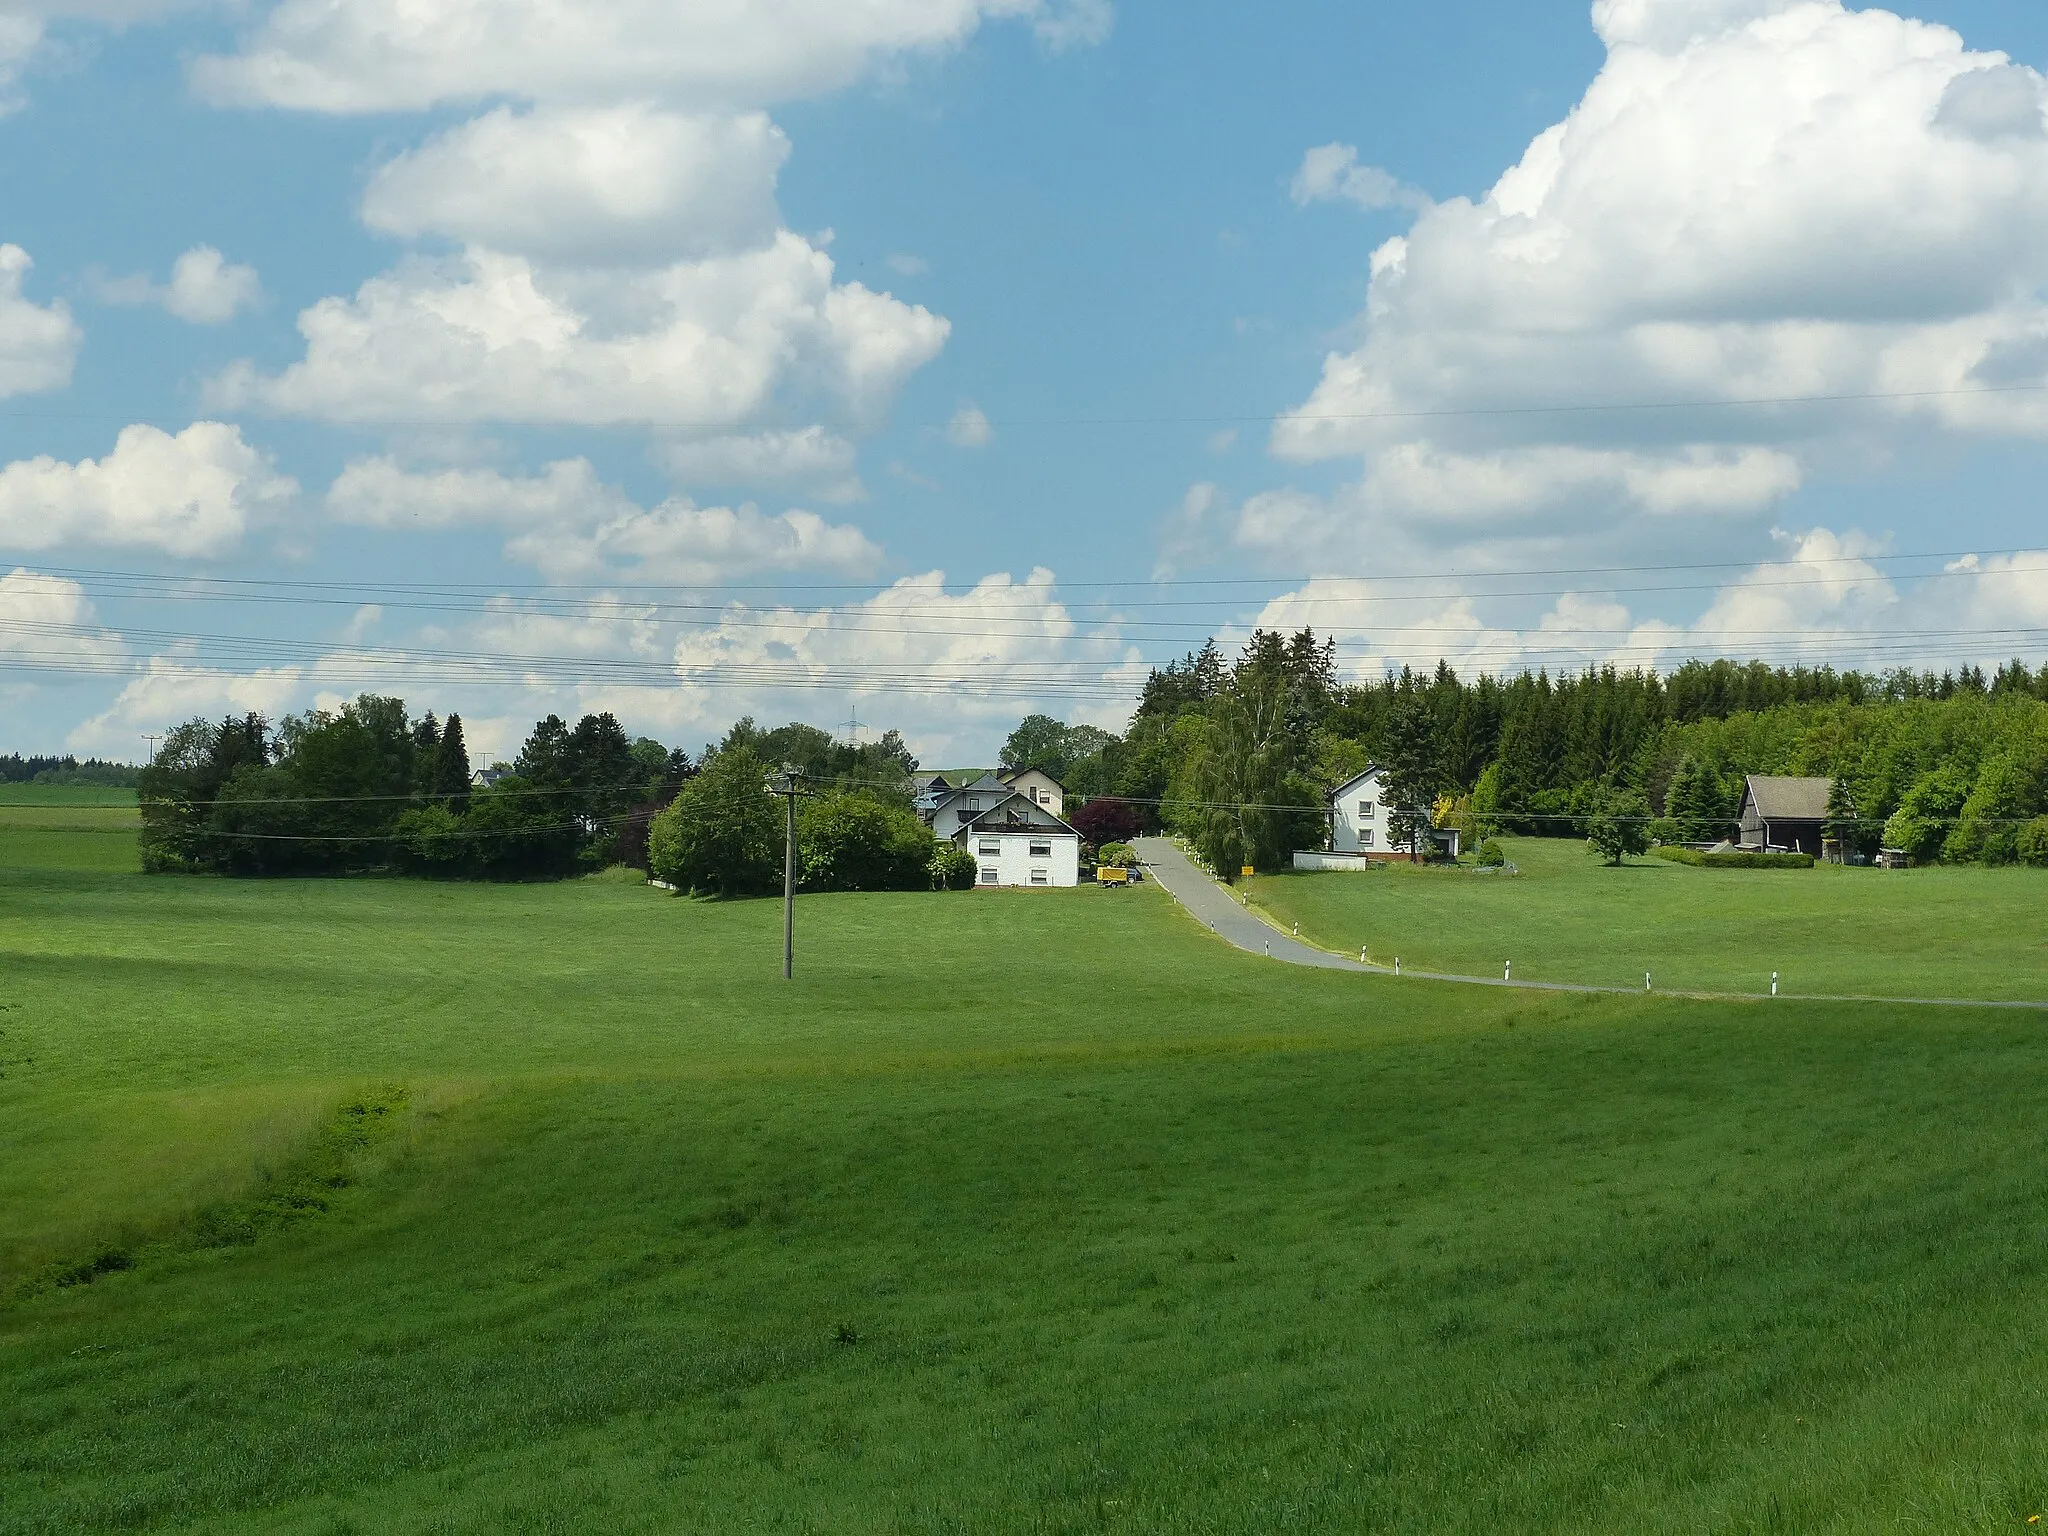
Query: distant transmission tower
[(852, 724)]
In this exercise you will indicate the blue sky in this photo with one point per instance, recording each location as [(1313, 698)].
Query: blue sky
[(805, 302)]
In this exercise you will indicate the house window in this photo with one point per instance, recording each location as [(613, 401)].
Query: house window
[(1041, 850), (991, 849), (989, 874), (1038, 877), (1365, 837), (973, 803), (1364, 810)]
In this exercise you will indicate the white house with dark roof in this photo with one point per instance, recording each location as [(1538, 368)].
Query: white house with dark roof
[(1021, 844), (1037, 786), (1361, 830)]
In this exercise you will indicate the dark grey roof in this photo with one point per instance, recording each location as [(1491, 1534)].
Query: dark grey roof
[(1786, 799)]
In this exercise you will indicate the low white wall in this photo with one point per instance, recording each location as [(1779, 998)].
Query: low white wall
[(1334, 861)]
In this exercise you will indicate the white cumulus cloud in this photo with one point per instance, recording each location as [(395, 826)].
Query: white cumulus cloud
[(396, 55), (192, 494), (205, 288), (631, 182), (810, 456), (48, 622), (970, 427), (569, 525), (1331, 173), (37, 343), (705, 344)]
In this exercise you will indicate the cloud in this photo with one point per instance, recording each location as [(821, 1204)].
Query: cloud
[(1331, 173), (205, 288), (809, 456), (953, 669), (1754, 200), (569, 525), (704, 345), (400, 55), (970, 427), (192, 494), (48, 622), (1825, 600), (37, 344), (172, 690), (631, 182), (904, 265)]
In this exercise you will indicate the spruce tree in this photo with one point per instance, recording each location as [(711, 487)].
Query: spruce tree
[(451, 767), (1411, 773)]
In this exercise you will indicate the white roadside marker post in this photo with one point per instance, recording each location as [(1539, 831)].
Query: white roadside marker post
[(1646, 981), (1774, 983), (1507, 971), (1397, 965)]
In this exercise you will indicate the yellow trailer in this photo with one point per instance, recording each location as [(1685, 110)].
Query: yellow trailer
[(1106, 875)]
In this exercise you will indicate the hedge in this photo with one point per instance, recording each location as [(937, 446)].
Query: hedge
[(1702, 860)]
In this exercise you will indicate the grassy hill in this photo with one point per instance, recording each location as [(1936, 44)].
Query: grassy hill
[(1961, 931), (390, 1206)]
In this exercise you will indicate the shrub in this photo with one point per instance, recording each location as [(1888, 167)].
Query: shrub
[(1735, 860), (1492, 855), (2033, 842), (1116, 856), (853, 842), (430, 841), (953, 868)]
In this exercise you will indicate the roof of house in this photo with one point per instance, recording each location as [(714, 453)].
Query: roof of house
[(1357, 778), (954, 778), (988, 820), (1786, 799), (1012, 775)]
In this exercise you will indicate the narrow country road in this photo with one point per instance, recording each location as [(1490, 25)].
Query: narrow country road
[(1215, 908)]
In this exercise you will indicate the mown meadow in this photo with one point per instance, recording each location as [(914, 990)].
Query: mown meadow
[(393, 1206), (1961, 931)]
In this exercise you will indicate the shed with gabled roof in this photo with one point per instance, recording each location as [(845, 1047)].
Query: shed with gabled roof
[(1783, 812)]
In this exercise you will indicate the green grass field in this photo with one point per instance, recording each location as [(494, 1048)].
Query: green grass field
[(1015, 1212), (1963, 932)]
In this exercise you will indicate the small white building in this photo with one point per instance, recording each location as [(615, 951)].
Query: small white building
[(1018, 843)]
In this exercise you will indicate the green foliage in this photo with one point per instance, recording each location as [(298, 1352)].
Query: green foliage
[(881, 767), (2032, 842), (1735, 858), (1116, 856), (1618, 825), (1240, 796), (1491, 854), (1413, 774), (852, 841), (723, 834), (953, 868)]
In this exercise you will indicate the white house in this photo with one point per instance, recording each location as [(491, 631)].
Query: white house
[(1358, 814), (1019, 843), (1360, 831), (1039, 787), (947, 807)]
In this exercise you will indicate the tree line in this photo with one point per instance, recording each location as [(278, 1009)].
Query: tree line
[(366, 788), (16, 769), (1240, 755)]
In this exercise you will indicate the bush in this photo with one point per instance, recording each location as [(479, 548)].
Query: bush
[(853, 842), (1738, 860), (1492, 855), (1116, 856), (2033, 842), (953, 868)]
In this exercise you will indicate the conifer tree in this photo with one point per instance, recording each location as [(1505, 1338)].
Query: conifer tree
[(451, 767)]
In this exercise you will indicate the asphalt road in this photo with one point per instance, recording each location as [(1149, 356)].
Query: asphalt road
[(1217, 909)]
